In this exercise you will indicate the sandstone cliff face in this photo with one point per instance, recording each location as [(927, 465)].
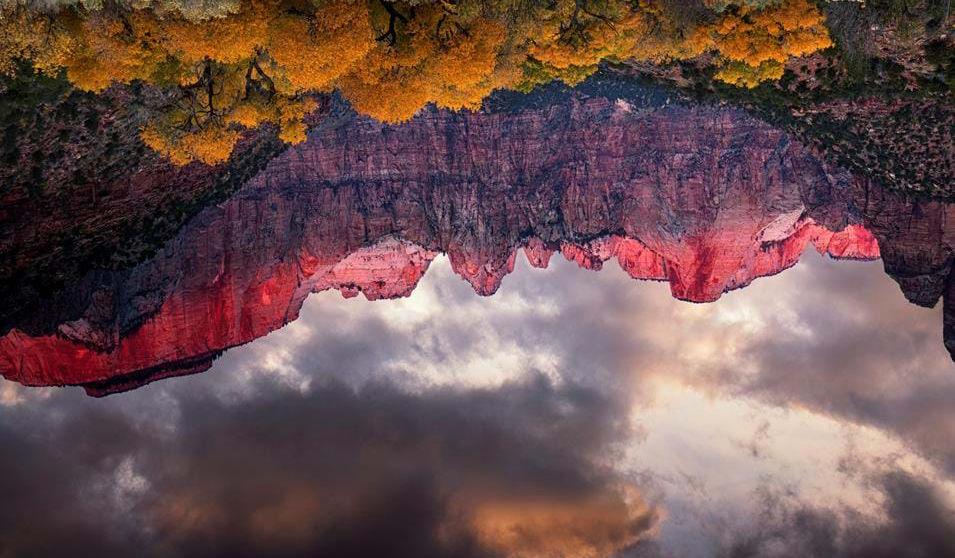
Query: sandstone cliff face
[(706, 199)]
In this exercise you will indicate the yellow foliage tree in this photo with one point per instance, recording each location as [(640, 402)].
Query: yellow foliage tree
[(251, 62), (744, 75), (210, 145), (452, 65), (311, 53), (763, 40)]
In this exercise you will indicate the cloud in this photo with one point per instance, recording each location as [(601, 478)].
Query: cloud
[(917, 522), (513, 471), (849, 346), (48, 470)]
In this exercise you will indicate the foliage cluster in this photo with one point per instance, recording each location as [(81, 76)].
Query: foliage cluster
[(238, 65)]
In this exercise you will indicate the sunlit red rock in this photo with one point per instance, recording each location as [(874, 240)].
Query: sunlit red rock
[(701, 270), (706, 199)]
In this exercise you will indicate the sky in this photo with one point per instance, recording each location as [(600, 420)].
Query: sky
[(574, 413)]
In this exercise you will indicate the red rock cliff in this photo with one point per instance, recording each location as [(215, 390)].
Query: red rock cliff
[(705, 199)]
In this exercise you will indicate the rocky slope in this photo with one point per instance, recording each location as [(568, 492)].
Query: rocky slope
[(707, 199)]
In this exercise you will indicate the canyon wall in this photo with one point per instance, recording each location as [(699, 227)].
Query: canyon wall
[(707, 199)]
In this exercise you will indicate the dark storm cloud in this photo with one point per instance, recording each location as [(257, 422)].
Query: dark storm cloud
[(514, 471), (917, 524), (47, 463)]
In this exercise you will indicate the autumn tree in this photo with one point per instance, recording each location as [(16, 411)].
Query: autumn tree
[(430, 53), (756, 43), (236, 64)]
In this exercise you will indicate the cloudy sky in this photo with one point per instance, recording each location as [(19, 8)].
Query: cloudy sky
[(574, 413)]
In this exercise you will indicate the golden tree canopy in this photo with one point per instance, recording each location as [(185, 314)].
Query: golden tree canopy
[(241, 63)]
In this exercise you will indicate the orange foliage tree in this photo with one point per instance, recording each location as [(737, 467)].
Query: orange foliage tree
[(756, 43), (244, 63)]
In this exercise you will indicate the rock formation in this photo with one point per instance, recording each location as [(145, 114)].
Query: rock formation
[(707, 199)]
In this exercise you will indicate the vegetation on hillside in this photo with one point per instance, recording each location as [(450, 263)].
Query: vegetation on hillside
[(879, 101), (236, 66)]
